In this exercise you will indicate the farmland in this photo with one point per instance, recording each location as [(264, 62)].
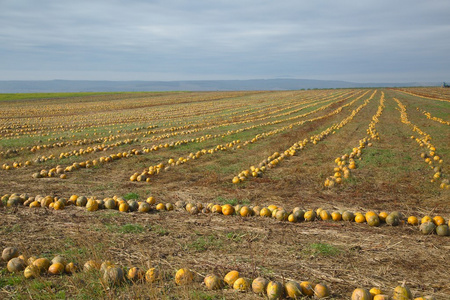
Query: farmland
[(187, 153)]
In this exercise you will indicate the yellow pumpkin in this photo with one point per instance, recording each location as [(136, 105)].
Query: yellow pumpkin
[(361, 294), (124, 206), (227, 210), (325, 215), (293, 290), (402, 293), (359, 218), (31, 272), (184, 276), (381, 297), (56, 269), (321, 290), (336, 216), (151, 275), (265, 212), (135, 274), (412, 220), (274, 290), (213, 282), (259, 285), (42, 263), (92, 205), (242, 284), (307, 288), (231, 277)]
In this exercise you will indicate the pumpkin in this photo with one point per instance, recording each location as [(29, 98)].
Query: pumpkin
[(373, 220), (71, 268), (281, 215), (242, 284), (213, 282), (259, 285), (113, 276), (299, 214), (310, 216), (169, 206), (31, 272), (56, 269), (307, 288), (274, 290), (91, 265), (426, 219), (443, 230), (81, 201), (184, 276), (392, 219), (245, 211), (361, 294), (9, 253), (256, 209), (427, 228), (292, 289), (321, 290), (59, 259), (336, 216), (16, 265), (216, 209), (110, 203), (272, 207), (42, 263), (92, 205), (359, 218), (105, 265), (292, 218), (231, 277), (151, 200), (383, 215), (438, 220), (348, 216), (325, 215), (124, 207), (135, 274), (144, 207), (402, 293), (370, 213), (412, 220), (194, 210), (265, 212), (151, 275), (227, 210)]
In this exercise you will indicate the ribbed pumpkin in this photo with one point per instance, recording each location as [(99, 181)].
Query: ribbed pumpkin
[(245, 211), (231, 277), (151, 275), (361, 294), (42, 263), (213, 282), (259, 285), (265, 212), (227, 210), (274, 290), (16, 265), (392, 219), (402, 293), (136, 274), (373, 220), (110, 203), (144, 207), (310, 216), (348, 216), (81, 201), (307, 288), (9, 253), (184, 276), (427, 228), (113, 276), (321, 291), (242, 284), (325, 215), (92, 205), (292, 289), (124, 207), (31, 272), (56, 269), (281, 215), (336, 216), (443, 230), (359, 218)]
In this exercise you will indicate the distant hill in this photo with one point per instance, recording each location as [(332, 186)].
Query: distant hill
[(17, 86)]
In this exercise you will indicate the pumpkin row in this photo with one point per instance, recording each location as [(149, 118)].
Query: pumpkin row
[(112, 275), (428, 225)]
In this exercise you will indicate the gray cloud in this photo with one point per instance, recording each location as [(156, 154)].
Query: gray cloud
[(171, 40)]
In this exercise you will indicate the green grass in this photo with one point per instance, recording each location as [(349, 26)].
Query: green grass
[(131, 196), (322, 249), (127, 228), (159, 230), (234, 201), (204, 243)]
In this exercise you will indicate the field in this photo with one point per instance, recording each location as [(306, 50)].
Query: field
[(355, 150)]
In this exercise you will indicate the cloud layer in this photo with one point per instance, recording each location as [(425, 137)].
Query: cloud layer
[(358, 41)]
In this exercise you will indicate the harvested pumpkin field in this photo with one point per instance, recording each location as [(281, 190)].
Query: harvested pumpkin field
[(332, 189)]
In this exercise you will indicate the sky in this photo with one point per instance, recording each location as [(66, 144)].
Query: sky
[(358, 41)]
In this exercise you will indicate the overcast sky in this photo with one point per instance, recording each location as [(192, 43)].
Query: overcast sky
[(360, 41)]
